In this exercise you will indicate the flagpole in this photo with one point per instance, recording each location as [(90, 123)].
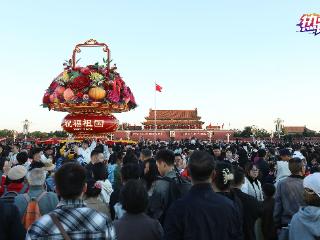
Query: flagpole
[(155, 112)]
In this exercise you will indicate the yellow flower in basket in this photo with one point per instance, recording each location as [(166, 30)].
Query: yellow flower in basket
[(65, 76), (96, 78)]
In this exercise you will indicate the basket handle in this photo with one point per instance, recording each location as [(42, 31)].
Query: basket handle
[(90, 43)]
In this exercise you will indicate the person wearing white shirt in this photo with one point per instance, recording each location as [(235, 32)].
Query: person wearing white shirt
[(106, 152), (252, 185), (283, 166), (85, 150), (13, 154)]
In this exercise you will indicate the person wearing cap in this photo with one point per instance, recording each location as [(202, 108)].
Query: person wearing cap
[(289, 196), (47, 200), (305, 224), (297, 152), (14, 180), (283, 165)]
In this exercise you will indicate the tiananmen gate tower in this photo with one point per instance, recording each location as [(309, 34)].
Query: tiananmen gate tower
[(172, 124)]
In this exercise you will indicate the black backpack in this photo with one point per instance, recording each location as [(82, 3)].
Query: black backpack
[(8, 196), (178, 187)]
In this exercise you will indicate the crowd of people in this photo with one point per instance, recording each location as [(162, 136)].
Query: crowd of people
[(160, 190)]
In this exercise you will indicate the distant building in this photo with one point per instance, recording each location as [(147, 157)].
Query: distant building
[(294, 130), (213, 127), (173, 119), (127, 126), (175, 125)]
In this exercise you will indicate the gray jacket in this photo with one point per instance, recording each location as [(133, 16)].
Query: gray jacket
[(305, 224), (158, 202), (288, 199), (46, 204)]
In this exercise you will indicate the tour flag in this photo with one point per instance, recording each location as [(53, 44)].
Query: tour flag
[(158, 88)]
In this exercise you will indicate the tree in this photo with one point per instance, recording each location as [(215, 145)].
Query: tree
[(6, 133), (262, 133), (248, 131), (38, 134), (58, 134)]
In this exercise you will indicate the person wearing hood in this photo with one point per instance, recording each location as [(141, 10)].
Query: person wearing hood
[(305, 224)]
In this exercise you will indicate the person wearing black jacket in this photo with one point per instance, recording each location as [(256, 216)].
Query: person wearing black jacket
[(222, 185), (10, 223), (217, 154), (3, 156), (202, 213), (267, 224), (263, 166), (252, 209)]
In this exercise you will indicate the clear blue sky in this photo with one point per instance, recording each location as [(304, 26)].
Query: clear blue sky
[(241, 62)]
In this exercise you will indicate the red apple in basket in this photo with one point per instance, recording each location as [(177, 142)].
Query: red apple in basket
[(46, 98), (52, 97), (85, 71), (59, 90), (68, 94)]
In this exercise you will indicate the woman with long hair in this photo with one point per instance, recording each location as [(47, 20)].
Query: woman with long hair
[(151, 174), (252, 185)]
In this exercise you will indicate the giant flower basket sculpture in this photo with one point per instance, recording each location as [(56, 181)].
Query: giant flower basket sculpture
[(90, 94)]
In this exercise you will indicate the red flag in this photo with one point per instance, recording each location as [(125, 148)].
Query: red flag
[(158, 88)]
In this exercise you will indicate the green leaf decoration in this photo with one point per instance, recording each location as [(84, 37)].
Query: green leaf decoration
[(73, 75)]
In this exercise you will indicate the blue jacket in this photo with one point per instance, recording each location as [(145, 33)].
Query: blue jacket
[(305, 224), (203, 214)]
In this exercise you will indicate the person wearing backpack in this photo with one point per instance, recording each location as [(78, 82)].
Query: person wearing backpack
[(37, 201), (167, 188), (72, 219), (13, 183)]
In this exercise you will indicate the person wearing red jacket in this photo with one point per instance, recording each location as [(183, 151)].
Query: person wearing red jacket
[(14, 181)]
